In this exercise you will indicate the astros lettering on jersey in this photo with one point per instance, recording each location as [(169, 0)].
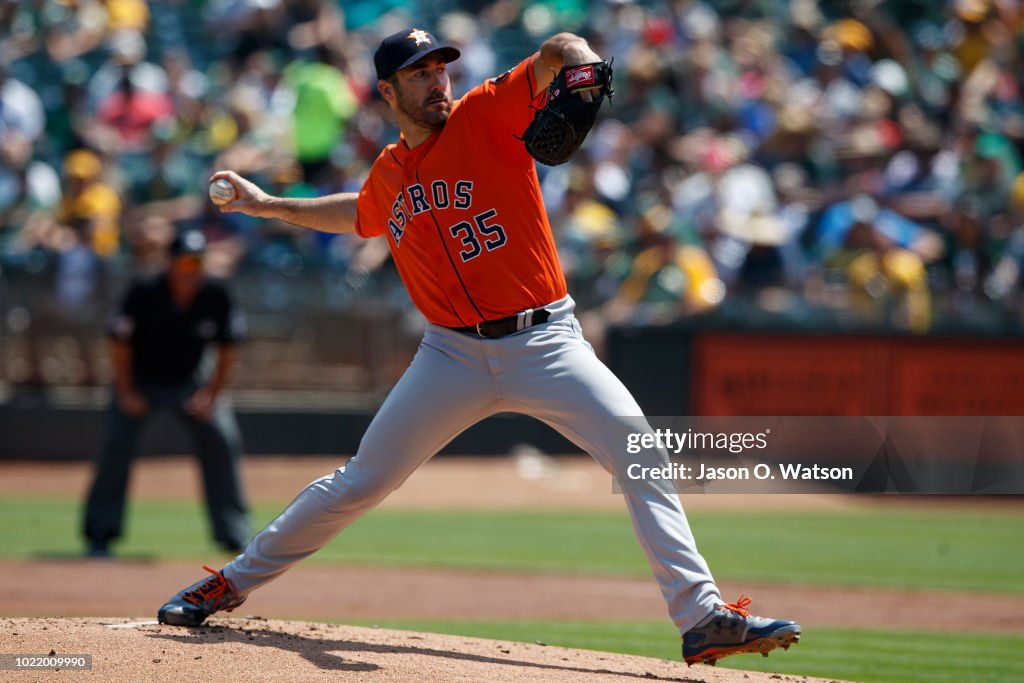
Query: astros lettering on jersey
[(463, 212)]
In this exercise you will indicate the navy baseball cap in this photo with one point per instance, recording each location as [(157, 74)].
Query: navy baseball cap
[(401, 49)]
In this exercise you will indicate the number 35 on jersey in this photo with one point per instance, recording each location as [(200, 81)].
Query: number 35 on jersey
[(478, 233)]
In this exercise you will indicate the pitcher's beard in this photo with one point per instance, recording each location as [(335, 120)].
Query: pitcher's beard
[(421, 115)]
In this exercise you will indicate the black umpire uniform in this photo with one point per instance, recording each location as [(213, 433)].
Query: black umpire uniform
[(159, 343)]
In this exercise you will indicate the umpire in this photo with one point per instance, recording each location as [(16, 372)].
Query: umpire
[(159, 341)]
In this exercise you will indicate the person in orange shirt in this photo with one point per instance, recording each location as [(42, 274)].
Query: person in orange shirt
[(458, 200)]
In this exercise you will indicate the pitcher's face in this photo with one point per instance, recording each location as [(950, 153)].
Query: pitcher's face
[(422, 92)]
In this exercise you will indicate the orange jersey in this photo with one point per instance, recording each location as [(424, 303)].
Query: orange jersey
[(463, 212)]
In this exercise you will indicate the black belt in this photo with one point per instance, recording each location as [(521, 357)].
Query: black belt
[(492, 329)]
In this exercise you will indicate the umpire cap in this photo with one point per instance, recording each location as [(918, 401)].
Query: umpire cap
[(401, 49), (188, 243)]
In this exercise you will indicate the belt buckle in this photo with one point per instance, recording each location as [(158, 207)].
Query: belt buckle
[(479, 333)]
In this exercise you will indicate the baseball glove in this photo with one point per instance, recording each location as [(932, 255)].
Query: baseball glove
[(559, 128)]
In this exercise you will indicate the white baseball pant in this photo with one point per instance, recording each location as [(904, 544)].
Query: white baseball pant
[(548, 371)]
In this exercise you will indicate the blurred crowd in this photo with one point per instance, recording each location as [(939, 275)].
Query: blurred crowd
[(819, 161)]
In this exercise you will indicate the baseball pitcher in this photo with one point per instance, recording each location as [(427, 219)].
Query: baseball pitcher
[(457, 199)]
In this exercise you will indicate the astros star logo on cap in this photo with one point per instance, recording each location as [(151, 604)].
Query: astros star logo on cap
[(420, 36)]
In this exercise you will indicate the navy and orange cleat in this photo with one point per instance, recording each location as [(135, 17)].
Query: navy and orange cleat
[(731, 630), (191, 606)]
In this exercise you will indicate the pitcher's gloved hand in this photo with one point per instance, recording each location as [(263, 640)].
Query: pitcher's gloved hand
[(559, 128)]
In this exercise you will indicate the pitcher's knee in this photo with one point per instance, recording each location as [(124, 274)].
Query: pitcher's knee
[(350, 490)]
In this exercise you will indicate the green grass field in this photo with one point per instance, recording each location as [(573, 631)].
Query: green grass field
[(958, 549)]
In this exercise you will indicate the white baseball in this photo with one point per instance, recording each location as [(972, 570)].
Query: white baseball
[(222, 191)]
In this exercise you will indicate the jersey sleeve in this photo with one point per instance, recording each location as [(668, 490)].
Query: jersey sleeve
[(370, 217), (231, 326), (503, 106), (366, 212), (124, 323)]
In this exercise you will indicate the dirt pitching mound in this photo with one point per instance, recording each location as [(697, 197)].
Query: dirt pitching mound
[(255, 649)]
